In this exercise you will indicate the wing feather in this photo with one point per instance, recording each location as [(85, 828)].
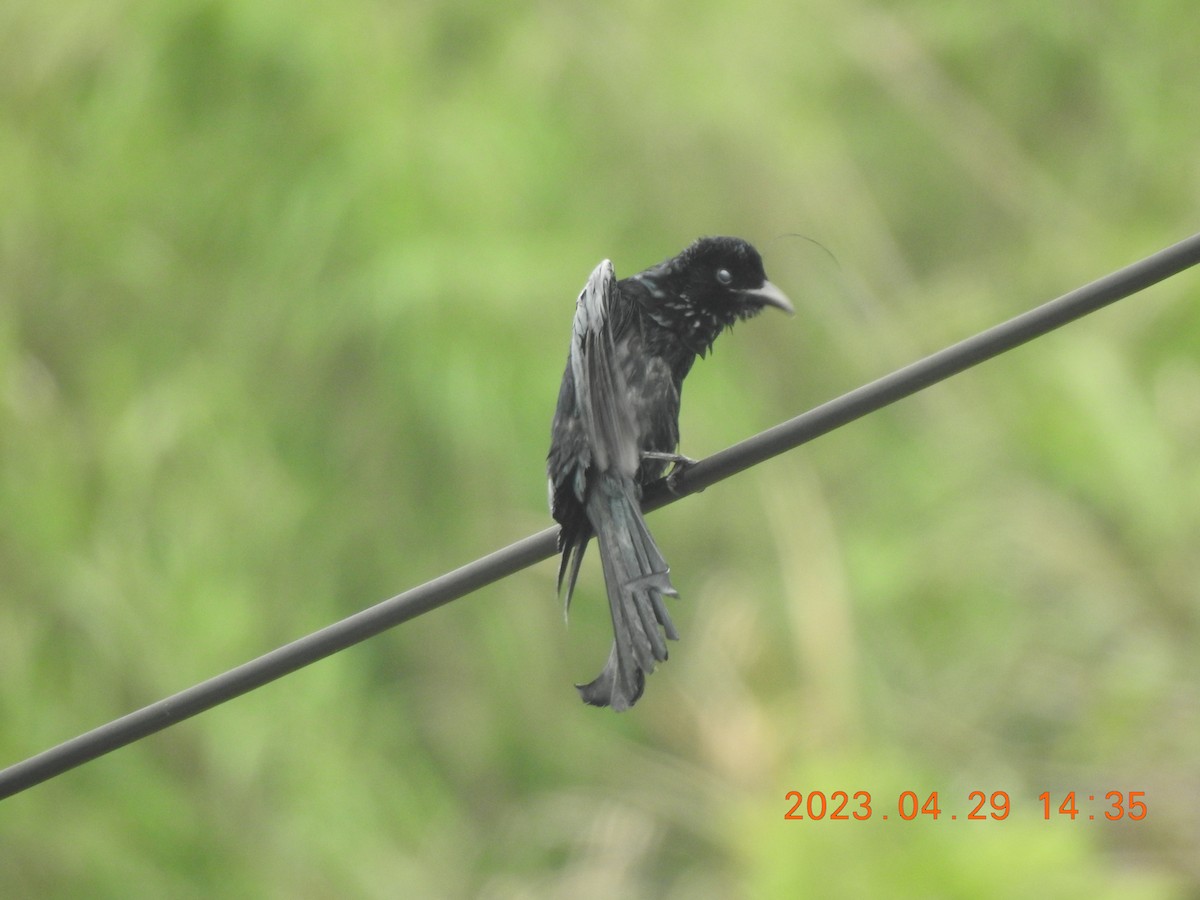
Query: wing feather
[(600, 388)]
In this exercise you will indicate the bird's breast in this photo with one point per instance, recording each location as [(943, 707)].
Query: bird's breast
[(651, 397)]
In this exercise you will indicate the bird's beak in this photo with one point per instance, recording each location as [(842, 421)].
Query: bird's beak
[(769, 295)]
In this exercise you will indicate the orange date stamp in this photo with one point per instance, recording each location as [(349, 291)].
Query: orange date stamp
[(978, 806)]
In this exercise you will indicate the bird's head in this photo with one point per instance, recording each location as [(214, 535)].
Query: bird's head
[(713, 283)]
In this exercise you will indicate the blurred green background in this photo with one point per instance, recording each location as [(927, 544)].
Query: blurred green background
[(285, 295)]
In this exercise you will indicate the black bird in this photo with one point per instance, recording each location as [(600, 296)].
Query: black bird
[(616, 429)]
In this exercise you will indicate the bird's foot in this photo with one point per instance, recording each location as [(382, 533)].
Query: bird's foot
[(679, 465)]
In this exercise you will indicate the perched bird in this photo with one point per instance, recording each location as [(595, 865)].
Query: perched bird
[(616, 429)]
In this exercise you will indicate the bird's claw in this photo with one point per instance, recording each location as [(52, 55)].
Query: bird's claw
[(679, 465)]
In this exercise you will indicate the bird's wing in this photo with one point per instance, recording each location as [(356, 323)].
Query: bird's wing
[(600, 390)]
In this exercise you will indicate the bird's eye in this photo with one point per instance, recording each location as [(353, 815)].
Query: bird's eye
[(724, 276)]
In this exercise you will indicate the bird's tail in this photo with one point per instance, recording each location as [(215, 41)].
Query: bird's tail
[(635, 575)]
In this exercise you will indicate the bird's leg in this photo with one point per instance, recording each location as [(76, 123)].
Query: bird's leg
[(679, 465)]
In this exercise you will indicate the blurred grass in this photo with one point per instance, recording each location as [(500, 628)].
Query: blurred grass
[(284, 298)]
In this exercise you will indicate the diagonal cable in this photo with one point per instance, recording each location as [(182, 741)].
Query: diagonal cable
[(537, 547)]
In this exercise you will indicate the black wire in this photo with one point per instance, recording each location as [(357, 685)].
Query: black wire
[(540, 546)]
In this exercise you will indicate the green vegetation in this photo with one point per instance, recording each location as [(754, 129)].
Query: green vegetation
[(285, 293)]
